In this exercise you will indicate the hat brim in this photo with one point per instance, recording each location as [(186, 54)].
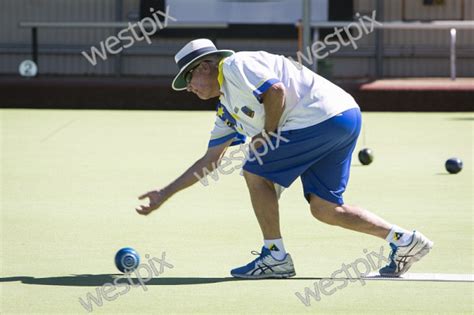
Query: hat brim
[(179, 83)]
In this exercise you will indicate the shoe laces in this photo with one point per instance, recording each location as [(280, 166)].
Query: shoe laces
[(254, 252), (260, 256)]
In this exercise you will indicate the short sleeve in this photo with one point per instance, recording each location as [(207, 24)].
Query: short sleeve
[(223, 133), (254, 75)]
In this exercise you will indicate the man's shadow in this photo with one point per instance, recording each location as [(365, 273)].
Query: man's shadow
[(89, 280)]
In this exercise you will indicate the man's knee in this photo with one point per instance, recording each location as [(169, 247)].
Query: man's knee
[(322, 214), (255, 181), (323, 210)]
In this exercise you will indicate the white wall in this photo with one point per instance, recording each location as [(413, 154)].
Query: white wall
[(252, 12)]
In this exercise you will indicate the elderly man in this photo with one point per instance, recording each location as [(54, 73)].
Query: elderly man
[(268, 98)]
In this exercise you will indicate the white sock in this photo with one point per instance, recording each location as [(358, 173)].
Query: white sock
[(399, 236), (276, 247)]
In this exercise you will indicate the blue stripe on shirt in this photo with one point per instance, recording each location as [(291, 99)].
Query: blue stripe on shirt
[(263, 88), (238, 139)]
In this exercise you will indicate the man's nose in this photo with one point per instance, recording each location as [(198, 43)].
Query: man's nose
[(189, 88)]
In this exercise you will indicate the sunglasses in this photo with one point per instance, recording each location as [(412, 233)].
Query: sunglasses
[(189, 75)]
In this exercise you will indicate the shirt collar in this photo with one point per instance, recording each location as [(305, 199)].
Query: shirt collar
[(220, 74)]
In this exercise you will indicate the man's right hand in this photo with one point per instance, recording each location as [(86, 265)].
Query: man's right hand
[(156, 199)]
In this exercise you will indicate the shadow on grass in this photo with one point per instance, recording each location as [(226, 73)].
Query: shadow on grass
[(462, 118), (101, 279)]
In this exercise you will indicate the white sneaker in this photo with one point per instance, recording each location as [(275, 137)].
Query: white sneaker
[(403, 257), (265, 266)]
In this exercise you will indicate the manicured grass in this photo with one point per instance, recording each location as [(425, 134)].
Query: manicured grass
[(69, 182)]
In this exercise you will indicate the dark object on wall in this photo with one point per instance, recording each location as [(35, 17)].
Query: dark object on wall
[(145, 6), (433, 2), (341, 10)]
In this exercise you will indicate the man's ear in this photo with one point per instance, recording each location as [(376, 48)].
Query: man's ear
[(206, 67)]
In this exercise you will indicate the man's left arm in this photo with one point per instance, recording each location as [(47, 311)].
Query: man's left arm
[(274, 105), (265, 86)]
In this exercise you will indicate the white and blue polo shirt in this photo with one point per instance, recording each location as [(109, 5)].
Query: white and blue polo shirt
[(245, 76)]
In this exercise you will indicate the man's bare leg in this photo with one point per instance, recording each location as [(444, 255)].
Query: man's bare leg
[(265, 205), (410, 247), (273, 261), (349, 217)]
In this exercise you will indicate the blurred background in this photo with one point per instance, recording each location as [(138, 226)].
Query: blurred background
[(53, 33)]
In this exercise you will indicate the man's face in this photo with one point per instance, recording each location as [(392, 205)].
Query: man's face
[(202, 81)]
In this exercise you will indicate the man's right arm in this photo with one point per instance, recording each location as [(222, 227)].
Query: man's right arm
[(201, 167)]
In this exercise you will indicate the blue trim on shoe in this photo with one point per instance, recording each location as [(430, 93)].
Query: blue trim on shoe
[(250, 266), (392, 266)]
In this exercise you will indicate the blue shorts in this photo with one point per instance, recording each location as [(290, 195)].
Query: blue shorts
[(320, 155)]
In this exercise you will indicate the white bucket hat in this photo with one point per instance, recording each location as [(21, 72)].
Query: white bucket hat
[(189, 55)]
